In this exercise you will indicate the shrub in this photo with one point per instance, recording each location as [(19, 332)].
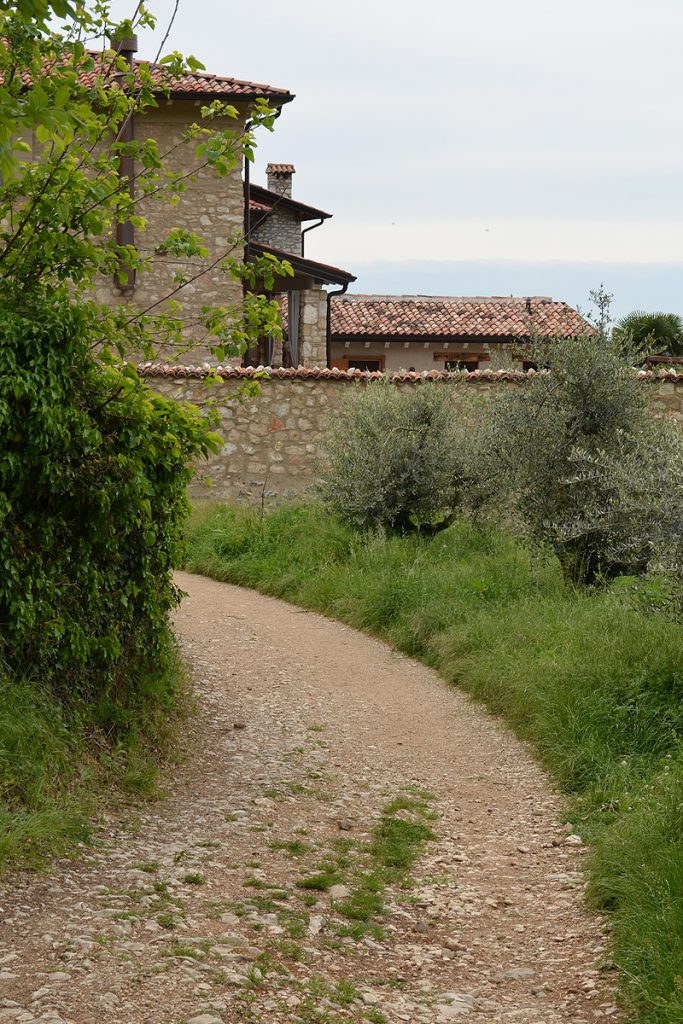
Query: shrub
[(582, 463), (93, 466), (392, 457), (93, 474)]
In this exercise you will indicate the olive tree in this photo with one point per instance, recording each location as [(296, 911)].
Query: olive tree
[(392, 456), (578, 459)]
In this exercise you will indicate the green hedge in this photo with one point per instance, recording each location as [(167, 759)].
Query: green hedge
[(93, 475)]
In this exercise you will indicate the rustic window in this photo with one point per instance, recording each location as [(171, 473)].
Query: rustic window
[(468, 363), (365, 364)]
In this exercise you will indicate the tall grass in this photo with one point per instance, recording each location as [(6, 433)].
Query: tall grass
[(59, 764), (591, 679)]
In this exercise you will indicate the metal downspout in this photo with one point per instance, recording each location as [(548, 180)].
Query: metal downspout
[(247, 208), (331, 295), (311, 227), (125, 232)]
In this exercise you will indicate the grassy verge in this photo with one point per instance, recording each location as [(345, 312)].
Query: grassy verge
[(61, 762), (593, 680)]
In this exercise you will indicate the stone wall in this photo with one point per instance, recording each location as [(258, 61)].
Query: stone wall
[(668, 394), (272, 442), (313, 328), (210, 205), (281, 229)]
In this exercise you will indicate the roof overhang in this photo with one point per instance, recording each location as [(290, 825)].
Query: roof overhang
[(189, 85), (274, 99), (274, 199), (307, 272)]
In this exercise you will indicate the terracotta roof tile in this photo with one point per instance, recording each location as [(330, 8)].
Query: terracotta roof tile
[(262, 207), (280, 169), (415, 316), (216, 85), (190, 84), (179, 373)]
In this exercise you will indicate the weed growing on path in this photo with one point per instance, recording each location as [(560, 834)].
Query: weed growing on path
[(367, 869), (292, 847), (194, 878)]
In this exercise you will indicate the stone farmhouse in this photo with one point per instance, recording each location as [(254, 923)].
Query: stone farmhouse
[(232, 216), (387, 332), (428, 332), (274, 224), (324, 326)]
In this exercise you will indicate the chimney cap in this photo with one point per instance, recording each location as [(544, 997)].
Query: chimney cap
[(280, 169), (124, 43)]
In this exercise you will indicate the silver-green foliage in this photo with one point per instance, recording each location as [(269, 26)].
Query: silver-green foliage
[(581, 462), (392, 456)]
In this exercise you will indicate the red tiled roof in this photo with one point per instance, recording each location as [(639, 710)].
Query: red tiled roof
[(261, 207), (173, 372), (416, 316), (280, 169), (216, 85), (192, 84)]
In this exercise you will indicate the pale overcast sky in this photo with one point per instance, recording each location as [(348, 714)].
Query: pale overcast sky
[(486, 147)]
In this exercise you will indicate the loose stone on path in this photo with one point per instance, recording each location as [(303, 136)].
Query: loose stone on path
[(194, 908)]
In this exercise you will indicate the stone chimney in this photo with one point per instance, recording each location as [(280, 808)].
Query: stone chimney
[(280, 179), (125, 46)]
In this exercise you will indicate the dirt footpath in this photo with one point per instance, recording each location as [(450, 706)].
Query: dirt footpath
[(254, 893)]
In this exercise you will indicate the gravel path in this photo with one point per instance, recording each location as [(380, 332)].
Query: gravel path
[(307, 735)]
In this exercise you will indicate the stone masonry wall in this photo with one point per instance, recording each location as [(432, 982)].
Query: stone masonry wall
[(272, 442), (313, 328), (211, 206), (281, 229)]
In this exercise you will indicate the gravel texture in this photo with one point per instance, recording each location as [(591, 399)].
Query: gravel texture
[(189, 909)]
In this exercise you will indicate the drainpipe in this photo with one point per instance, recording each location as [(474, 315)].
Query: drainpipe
[(310, 228), (247, 209), (331, 295), (126, 47)]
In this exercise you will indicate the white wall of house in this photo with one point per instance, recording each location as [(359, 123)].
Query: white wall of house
[(422, 355)]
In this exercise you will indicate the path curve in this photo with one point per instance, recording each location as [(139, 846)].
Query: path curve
[(305, 731)]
